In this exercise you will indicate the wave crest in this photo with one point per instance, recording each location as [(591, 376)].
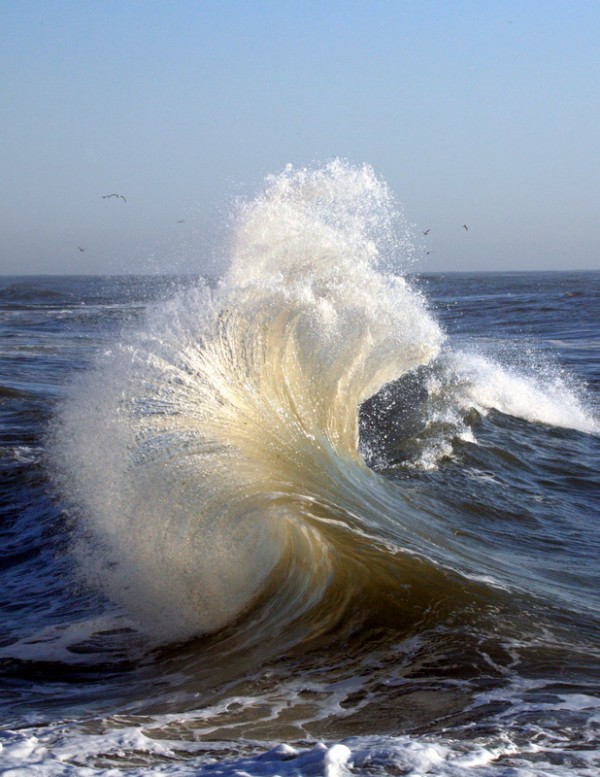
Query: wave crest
[(213, 443)]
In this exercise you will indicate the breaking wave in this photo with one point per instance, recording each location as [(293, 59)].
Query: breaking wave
[(217, 461)]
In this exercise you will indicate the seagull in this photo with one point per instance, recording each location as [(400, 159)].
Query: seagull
[(426, 231), (466, 227), (107, 196)]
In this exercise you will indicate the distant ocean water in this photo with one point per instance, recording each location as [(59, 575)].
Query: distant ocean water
[(313, 518)]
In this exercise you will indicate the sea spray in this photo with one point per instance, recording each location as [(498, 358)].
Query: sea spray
[(204, 451)]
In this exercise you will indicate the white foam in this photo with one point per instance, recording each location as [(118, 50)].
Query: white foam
[(129, 752), (523, 737), (542, 396)]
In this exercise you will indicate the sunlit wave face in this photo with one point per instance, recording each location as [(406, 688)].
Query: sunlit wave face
[(174, 446)]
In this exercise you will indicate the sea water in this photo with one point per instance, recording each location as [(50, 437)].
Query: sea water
[(321, 515)]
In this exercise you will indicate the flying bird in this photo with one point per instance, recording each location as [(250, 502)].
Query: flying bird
[(466, 227), (107, 196), (426, 231), (80, 248), (180, 221)]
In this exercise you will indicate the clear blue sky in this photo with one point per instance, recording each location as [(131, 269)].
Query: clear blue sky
[(473, 111)]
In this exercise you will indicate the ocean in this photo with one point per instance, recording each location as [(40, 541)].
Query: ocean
[(323, 515)]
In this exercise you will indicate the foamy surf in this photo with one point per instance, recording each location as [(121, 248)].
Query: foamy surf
[(538, 395), (132, 750)]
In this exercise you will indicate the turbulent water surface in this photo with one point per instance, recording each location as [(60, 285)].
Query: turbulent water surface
[(321, 516)]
